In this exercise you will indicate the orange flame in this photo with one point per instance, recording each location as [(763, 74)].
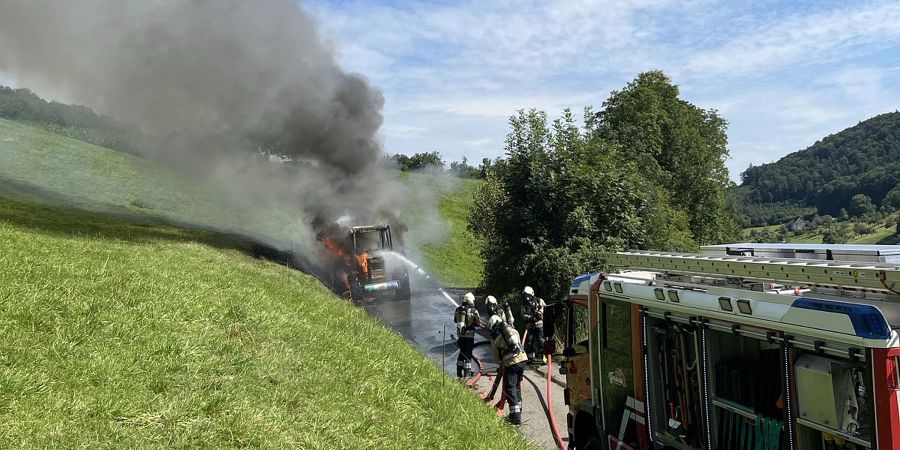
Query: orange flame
[(334, 248)]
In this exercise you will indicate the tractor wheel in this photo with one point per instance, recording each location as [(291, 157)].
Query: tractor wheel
[(356, 291), (403, 292)]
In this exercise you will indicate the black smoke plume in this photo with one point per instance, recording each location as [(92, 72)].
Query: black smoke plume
[(213, 81)]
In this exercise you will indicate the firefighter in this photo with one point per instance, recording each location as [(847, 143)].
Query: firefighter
[(467, 320), (508, 351), (533, 313), (496, 309)]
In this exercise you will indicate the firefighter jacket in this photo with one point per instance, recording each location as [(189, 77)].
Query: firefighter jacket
[(467, 320), (506, 347), (533, 311)]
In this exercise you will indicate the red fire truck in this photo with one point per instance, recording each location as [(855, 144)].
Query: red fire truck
[(739, 347)]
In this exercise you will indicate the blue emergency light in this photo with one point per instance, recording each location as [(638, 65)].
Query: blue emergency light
[(581, 279), (867, 320)]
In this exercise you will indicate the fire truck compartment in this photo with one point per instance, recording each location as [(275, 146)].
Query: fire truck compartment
[(746, 383), (674, 384), (834, 407)]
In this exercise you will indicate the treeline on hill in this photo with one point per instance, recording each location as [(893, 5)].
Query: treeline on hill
[(646, 171), (74, 121), (434, 160), (824, 178)]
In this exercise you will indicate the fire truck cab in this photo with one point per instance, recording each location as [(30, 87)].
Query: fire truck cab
[(739, 347)]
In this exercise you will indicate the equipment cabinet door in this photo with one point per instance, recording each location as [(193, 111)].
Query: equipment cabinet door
[(616, 367), (578, 378)]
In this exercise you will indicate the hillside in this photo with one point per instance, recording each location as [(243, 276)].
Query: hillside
[(863, 159), (455, 258), (36, 161), (75, 121), (140, 336), (119, 330)]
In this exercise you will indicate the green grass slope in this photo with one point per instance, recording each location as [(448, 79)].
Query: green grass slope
[(118, 331), (137, 336), (456, 259), (35, 161), (76, 173)]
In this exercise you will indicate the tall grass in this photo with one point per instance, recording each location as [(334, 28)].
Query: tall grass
[(137, 336)]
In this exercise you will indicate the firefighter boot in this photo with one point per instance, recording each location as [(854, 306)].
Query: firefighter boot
[(514, 418)]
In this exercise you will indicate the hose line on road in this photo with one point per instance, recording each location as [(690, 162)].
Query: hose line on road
[(551, 417)]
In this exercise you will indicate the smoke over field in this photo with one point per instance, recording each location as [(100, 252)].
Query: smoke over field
[(214, 83)]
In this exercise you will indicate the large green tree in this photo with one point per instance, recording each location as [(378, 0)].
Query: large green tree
[(677, 145), (646, 172), (561, 197)]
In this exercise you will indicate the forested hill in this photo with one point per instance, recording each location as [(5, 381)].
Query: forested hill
[(863, 159)]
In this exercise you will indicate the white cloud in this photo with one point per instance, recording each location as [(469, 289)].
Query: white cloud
[(784, 75), (802, 39)]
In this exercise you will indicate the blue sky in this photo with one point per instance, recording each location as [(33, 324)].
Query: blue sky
[(784, 74)]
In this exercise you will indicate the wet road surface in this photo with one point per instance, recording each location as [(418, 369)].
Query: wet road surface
[(423, 320)]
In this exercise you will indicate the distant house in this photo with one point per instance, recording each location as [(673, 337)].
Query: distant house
[(797, 225)]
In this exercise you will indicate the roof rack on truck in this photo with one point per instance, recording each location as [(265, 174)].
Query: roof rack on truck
[(863, 274), (828, 252)]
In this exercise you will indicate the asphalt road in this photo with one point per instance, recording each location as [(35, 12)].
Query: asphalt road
[(422, 320)]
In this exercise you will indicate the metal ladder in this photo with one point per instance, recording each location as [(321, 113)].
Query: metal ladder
[(840, 274)]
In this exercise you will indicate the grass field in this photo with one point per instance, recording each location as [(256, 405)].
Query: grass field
[(76, 173), (126, 333), (881, 235), (454, 260)]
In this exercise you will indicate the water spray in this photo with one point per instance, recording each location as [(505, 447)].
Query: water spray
[(422, 272)]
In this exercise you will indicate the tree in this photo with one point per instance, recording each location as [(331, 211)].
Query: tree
[(559, 198), (891, 201), (836, 235), (860, 205), (861, 228), (843, 215), (418, 161), (676, 145), (462, 169)]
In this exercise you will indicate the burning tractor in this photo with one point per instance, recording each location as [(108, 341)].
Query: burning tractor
[(367, 265)]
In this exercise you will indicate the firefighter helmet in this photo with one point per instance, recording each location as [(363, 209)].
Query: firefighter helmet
[(528, 290), (490, 300), (469, 299)]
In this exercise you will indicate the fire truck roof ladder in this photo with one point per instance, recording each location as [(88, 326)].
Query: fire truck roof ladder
[(840, 274)]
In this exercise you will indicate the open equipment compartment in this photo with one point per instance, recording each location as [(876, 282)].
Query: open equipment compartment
[(675, 384), (747, 385), (835, 407)]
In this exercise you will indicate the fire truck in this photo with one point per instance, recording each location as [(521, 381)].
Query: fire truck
[(738, 347)]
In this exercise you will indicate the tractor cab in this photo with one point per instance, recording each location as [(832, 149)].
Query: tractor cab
[(377, 268)]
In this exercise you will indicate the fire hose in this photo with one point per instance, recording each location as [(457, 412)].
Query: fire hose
[(551, 416), (502, 403)]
